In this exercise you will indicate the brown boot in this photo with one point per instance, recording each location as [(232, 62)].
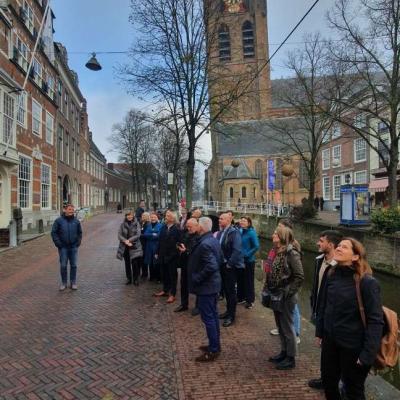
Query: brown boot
[(171, 299), (207, 357)]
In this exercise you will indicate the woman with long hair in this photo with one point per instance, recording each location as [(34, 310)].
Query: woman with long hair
[(284, 281), (348, 348), (130, 248)]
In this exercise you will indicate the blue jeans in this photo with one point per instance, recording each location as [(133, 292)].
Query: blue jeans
[(297, 320), (207, 305), (66, 254)]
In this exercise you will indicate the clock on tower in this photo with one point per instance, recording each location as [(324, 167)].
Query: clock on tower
[(234, 6)]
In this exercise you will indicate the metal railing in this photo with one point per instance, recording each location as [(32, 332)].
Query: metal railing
[(269, 209)]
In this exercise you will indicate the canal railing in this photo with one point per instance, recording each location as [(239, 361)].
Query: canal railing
[(268, 209)]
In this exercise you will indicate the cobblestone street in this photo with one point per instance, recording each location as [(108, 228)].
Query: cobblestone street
[(112, 341)]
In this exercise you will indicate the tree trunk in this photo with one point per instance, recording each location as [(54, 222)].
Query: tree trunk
[(190, 164), (392, 174)]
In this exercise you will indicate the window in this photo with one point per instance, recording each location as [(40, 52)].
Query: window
[(382, 127), (360, 150), (21, 54), (21, 114), (49, 128), (244, 192), (66, 153), (336, 156), (66, 100), (60, 149), (8, 119), (231, 193), (24, 181), (45, 180), (336, 187), (326, 188), (224, 44), (36, 118), (326, 162), (78, 157), (28, 16), (336, 132), (37, 68), (248, 40), (360, 177), (259, 172), (325, 136), (383, 148), (360, 121), (50, 87), (73, 150)]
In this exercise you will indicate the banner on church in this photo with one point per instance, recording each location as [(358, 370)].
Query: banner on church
[(271, 175)]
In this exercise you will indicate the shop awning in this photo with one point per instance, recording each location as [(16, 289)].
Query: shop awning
[(378, 185)]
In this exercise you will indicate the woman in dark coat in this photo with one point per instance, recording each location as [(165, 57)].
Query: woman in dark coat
[(168, 255), (143, 267), (130, 248), (150, 236), (348, 348)]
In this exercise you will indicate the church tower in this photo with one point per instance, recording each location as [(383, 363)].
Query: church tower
[(239, 76)]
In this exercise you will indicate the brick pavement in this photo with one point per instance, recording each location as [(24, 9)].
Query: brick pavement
[(110, 341)]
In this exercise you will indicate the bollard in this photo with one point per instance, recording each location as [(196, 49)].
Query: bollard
[(13, 233), (40, 226)]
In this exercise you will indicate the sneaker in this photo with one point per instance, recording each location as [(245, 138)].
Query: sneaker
[(298, 339), (274, 332), (74, 286), (62, 287), (242, 302), (249, 305)]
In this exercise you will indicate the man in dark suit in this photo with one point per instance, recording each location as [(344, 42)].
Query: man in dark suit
[(231, 244), (205, 282)]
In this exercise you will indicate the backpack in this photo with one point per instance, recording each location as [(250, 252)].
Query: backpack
[(388, 352)]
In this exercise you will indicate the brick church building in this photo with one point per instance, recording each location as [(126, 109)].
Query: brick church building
[(242, 147)]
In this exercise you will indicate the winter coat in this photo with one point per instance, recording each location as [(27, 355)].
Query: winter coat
[(129, 232), (151, 234), (250, 244), (231, 247), (66, 232), (169, 238), (340, 318), (204, 265)]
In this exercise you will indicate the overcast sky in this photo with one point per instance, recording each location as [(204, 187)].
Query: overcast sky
[(103, 25)]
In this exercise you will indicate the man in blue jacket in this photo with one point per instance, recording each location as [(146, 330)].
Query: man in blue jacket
[(231, 244), (67, 236), (205, 282)]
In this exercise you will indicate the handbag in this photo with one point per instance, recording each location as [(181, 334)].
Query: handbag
[(273, 299)]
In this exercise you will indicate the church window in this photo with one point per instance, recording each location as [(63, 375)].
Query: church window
[(224, 43), (244, 192), (231, 193), (248, 39), (258, 172)]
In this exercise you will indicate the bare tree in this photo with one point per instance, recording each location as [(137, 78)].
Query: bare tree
[(171, 61), (133, 140), (304, 132), (367, 85)]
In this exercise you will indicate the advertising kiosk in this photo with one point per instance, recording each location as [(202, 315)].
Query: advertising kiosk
[(354, 205)]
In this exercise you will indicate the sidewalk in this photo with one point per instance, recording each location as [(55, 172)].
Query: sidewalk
[(112, 341)]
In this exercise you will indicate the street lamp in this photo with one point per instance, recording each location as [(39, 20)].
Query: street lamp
[(93, 64)]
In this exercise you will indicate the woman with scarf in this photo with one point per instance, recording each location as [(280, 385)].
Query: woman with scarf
[(130, 248), (284, 281)]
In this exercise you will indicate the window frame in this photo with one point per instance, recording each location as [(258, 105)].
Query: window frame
[(248, 40), (48, 185), (338, 146), (326, 189), (224, 43), (6, 118), (326, 161), (357, 173), (336, 187), (29, 185), (49, 115), (39, 134), (359, 140)]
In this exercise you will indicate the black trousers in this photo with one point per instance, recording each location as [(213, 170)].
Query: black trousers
[(249, 281), (338, 364), (184, 286), (241, 284), (131, 267), (230, 280), (169, 276), (144, 268)]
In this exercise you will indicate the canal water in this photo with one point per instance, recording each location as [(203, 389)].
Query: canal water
[(390, 286)]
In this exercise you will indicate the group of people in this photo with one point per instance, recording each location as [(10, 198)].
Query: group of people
[(220, 265)]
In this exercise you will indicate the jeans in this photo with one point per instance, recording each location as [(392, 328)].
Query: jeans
[(207, 305), (338, 364), (71, 254), (297, 320)]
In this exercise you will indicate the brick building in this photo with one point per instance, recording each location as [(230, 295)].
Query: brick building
[(95, 192)]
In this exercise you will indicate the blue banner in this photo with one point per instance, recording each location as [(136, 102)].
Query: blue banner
[(271, 175)]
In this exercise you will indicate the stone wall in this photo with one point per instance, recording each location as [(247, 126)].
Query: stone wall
[(383, 250)]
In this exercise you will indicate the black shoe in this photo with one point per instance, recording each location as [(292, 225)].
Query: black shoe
[(195, 311), (316, 384), (180, 308), (128, 282), (278, 358), (287, 363), (224, 315), (136, 282), (228, 322)]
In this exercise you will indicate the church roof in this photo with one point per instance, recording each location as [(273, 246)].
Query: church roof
[(242, 171), (251, 138)]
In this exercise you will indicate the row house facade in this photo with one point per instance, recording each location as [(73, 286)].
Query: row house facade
[(94, 194)]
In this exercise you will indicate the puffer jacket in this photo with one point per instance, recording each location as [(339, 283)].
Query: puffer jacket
[(129, 231), (66, 232), (250, 244)]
